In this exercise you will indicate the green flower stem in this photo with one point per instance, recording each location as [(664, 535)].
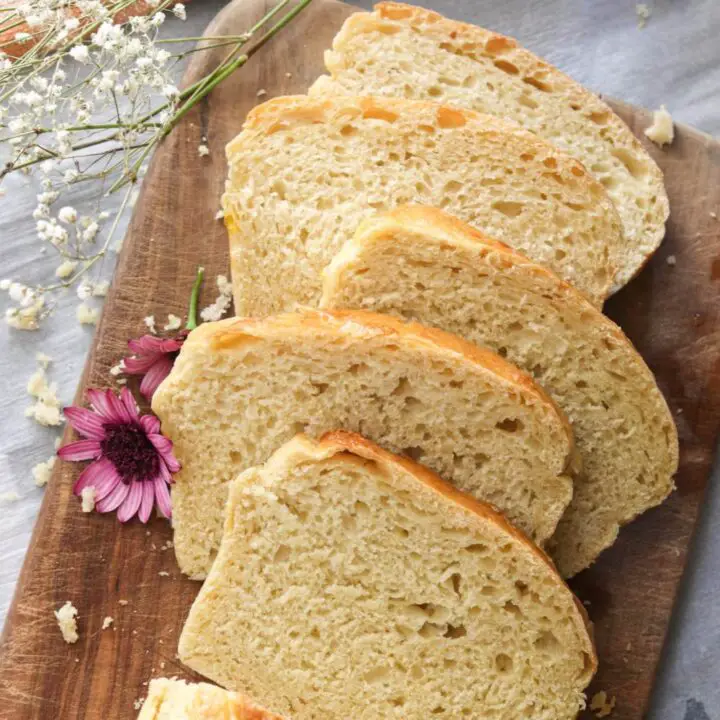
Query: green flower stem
[(192, 310)]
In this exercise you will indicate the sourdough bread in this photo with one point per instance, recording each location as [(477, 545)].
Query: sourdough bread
[(241, 388), (421, 264), (353, 583), (305, 171), (404, 51), (178, 700)]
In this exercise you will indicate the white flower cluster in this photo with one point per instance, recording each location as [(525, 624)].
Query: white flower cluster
[(90, 110)]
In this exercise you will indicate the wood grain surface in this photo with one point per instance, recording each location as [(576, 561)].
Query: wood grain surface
[(671, 313)]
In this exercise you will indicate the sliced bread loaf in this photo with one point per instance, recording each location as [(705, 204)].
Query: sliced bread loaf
[(353, 583), (177, 700), (305, 171), (404, 51), (421, 264), (241, 388)]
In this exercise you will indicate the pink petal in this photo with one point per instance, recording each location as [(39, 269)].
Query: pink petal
[(101, 475), (80, 450), (127, 399), (131, 503), (146, 344), (85, 422), (140, 365), (162, 495), (147, 502), (155, 375), (164, 472), (113, 499), (164, 447), (150, 424), (105, 403)]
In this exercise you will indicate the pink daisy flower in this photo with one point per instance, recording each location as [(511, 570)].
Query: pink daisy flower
[(153, 357), (133, 461)]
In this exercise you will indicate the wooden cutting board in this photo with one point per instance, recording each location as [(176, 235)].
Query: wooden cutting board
[(671, 313)]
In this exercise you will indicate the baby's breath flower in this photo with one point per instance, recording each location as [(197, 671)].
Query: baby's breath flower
[(66, 124), (170, 91), (67, 214), (80, 53)]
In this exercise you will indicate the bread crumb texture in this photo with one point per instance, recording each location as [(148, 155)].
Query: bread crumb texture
[(173, 699), (661, 131), (602, 705), (240, 388), (353, 583), (306, 171), (43, 470), (87, 495), (46, 410), (643, 12), (418, 263), (400, 50), (66, 620)]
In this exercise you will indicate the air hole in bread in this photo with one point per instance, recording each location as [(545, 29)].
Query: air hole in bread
[(539, 83), (435, 91), (547, 642), (447, 118), (375, 675), (503, 663), (455, 631), (527, 101), (377, 113), (278, 188), (577, 207), (498, 44), (521, 587), (477, 549), (508, 207), (281, 554), (512, 608), (348, 130), (414, 453), (637, 168), (361, 508), (455, 580), (510, 425), (507, 67), (600, 118)]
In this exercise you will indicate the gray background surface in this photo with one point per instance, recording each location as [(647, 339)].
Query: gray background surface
[(674, 60)]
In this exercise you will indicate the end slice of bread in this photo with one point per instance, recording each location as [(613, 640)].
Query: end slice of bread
[(241, 388), (353, 583), (404, 51), (421, 264), (305, 171), (177, 700)]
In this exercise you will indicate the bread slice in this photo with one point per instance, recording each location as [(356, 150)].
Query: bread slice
[(177, 700), (241, 388), (305, 171), (421, 264), (410, 52), (353, 583)]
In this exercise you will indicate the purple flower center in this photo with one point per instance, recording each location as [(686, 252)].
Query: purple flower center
[(126, 445)]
